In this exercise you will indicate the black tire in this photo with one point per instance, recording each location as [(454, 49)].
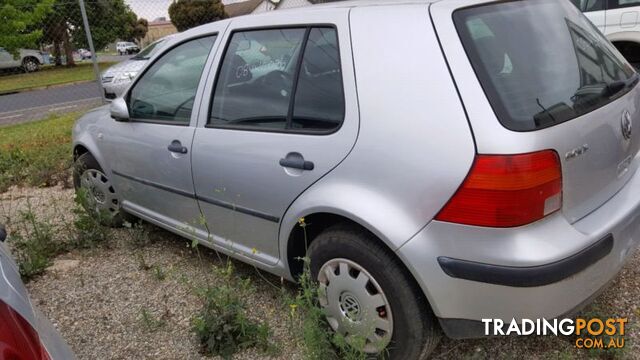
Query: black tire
[(87, 162), (416, 332), (30, 65)]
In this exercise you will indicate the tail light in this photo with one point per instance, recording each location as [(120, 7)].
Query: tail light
[(507, 191), (18, 340)]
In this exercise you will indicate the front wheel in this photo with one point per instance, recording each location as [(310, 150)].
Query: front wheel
[(369, 297), (99, 195), (30, 65)]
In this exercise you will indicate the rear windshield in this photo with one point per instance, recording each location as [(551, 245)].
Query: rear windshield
[(541, 62)]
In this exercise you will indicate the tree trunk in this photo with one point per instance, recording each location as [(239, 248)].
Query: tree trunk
[(67, 50), (56, 53)]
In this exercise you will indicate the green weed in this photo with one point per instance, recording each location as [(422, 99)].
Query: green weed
[(222, 326)]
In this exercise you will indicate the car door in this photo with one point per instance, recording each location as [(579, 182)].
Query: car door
[(152, 151), (622, 15), (282, 113)]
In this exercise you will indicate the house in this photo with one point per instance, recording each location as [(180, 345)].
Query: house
[(269, 5), (158, 29), (240, 8)]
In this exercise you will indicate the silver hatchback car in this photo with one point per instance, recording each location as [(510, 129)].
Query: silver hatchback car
[(452, 160)]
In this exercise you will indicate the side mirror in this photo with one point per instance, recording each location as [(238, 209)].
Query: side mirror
[(119, 110)]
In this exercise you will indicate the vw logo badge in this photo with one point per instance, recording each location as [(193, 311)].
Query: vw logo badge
[(627, 125)]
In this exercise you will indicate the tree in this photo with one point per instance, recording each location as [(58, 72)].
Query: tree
[(186, 14), (139, 29), (18, 28), (109, 21)]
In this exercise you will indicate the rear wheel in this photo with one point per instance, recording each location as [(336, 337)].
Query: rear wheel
[(369, 297), (30, 65), (100, 197)]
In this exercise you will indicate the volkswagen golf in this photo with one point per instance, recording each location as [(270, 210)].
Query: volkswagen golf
[(450, 160)]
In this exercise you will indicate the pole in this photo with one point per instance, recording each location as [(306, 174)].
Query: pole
[(94, 56)]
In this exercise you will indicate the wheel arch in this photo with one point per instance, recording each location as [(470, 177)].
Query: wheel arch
[(307, 228), (628, 43), (83, 147), (31, 57)]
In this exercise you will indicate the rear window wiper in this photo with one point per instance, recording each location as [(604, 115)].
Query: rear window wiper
[(617, 86)]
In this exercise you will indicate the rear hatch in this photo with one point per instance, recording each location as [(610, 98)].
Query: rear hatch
[(554, 82)]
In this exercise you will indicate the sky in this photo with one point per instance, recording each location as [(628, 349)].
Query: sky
[(152, 9)]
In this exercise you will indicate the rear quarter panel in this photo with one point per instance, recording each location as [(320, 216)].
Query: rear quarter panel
[(414, 146)]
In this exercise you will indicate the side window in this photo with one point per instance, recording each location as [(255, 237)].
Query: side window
[(256, 79), (319, 99), (268, 81), (167, 89), (614, 4)]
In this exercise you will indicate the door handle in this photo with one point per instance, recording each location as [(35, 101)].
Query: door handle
[(295, 160), (177, 147)]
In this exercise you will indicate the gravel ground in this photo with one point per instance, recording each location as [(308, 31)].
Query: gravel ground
[(97, 299)]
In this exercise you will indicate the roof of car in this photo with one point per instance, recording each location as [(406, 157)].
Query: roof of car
[(316, 7), (356, 3)]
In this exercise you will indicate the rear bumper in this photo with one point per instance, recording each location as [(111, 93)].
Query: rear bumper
[(527, 276), (542, 270)]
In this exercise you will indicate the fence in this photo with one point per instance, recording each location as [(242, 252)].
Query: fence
[(54, 53)]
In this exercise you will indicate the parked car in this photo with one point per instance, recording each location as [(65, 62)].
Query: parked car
[(618, 20), (489, 172), (28, 60), (118, 77), (25, 333), (126, 48), (84, 54)]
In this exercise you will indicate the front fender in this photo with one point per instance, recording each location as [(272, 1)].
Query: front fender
[(86, 133)]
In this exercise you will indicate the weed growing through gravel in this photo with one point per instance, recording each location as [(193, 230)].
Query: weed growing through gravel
[(309, 323), (138, 234), (150, 322), (222, 326), (34, 245), (89, 231), (159, 273)]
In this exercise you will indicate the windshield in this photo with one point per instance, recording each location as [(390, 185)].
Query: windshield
[(541, 62), (148, 52)]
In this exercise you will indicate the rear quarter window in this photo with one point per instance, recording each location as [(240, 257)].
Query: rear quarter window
[(541, 62)]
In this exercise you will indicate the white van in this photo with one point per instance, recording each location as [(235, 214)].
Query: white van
[(619, 20)]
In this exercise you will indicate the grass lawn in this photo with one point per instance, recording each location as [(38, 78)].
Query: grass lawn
[(37, 153), (48, 75)]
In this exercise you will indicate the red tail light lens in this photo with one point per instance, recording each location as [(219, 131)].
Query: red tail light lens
[(18, 340), (507, 191)]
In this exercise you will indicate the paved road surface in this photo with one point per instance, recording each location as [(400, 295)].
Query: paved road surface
[(33, 105)]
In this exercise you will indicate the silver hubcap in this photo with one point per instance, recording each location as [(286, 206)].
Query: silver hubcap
[(101, 195), (31, 66), (355, 305)]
